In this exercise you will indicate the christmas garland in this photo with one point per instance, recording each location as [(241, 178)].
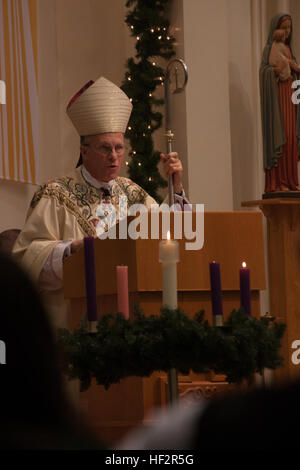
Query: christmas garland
[(148, 23), (123, 348)]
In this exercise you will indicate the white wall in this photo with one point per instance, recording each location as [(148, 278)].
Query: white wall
[(247, 161), (78, 41), (14, 202), (91, 43), (207, 103)]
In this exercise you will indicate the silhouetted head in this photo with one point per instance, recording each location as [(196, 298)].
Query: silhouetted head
[(32, 395)]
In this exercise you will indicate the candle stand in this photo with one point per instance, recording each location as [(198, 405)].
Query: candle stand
[(173, 386)]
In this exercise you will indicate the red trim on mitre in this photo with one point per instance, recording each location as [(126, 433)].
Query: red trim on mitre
[(85, 87)]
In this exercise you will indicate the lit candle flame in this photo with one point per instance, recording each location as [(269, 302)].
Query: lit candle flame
[(168, 235), (244, 264)]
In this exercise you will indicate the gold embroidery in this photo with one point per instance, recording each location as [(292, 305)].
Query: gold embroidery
[(135, 194), (63, 200), (81, 199)]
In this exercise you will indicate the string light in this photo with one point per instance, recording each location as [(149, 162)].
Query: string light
[(140, 129)]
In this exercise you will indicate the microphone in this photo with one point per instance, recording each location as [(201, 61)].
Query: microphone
[(106, 192)]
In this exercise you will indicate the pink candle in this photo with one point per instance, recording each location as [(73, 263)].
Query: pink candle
[(122, 290)]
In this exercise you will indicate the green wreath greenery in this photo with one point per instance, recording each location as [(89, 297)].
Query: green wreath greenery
[(121, 348)]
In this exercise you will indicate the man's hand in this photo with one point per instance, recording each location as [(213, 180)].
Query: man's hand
[(76, 245), (172, 166)]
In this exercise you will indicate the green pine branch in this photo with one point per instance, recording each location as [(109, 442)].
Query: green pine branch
[(122, 348)]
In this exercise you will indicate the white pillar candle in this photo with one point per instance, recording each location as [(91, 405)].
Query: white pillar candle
[(169, 257)]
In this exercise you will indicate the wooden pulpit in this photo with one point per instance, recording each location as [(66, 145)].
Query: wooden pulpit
[(229, 238)]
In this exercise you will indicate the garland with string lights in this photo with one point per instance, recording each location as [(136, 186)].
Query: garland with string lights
[(149, 25)]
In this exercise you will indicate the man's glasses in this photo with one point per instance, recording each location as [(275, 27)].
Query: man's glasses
[(106, 150)]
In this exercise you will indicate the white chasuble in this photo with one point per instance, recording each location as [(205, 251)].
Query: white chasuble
[(66, 209)]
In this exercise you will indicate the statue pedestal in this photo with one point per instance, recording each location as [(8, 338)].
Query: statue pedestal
[(283, 235)]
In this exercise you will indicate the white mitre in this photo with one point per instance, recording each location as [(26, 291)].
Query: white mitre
[(99, 107)]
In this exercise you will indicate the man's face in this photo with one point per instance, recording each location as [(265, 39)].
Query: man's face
[(103, 156)]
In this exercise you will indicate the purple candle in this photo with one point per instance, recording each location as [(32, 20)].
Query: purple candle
[(245, 288), (122, 290), (216, 293), (90, 279)]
